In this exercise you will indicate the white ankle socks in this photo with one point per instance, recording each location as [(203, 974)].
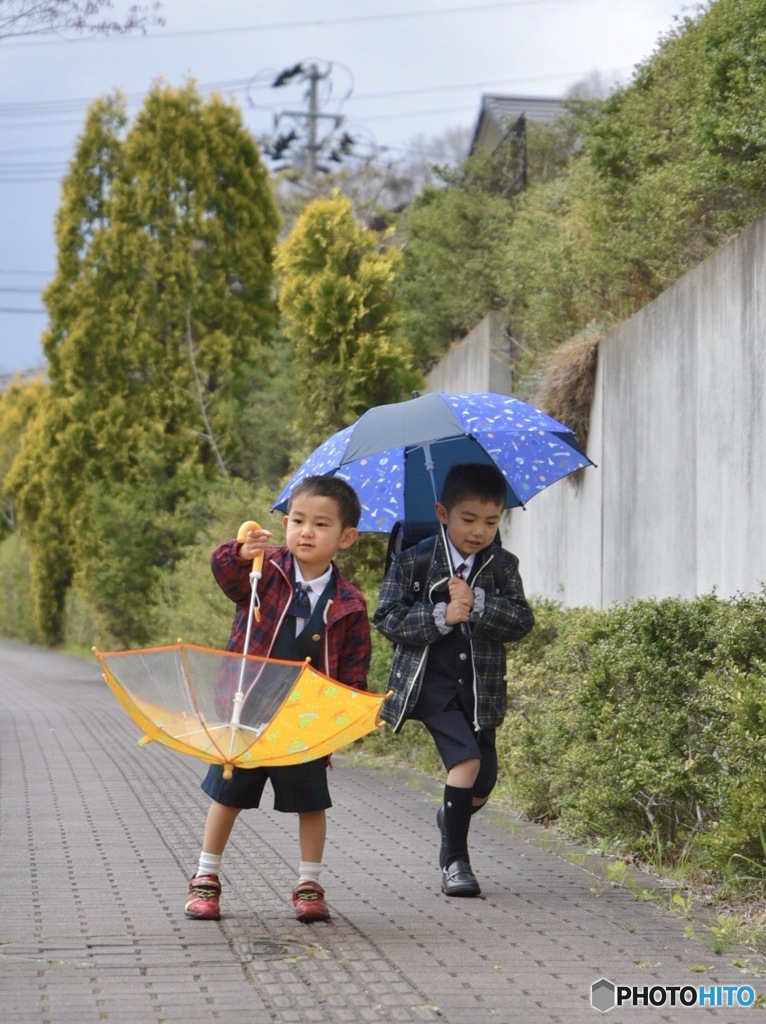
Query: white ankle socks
[(309, 871), (209, 863)]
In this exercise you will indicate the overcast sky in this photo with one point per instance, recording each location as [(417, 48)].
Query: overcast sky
[(399, 69)]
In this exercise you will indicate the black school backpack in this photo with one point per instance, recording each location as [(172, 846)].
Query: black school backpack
[(404, 535)]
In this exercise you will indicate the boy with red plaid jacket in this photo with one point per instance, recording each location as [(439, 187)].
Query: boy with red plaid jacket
[(308, 610)]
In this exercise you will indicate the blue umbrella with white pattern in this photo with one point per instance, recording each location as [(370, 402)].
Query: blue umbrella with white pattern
[(396, 456)]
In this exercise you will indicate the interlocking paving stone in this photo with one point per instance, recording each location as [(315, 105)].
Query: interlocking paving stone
[(99, 837)]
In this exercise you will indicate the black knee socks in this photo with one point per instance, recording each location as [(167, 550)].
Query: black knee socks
[(458, 806)]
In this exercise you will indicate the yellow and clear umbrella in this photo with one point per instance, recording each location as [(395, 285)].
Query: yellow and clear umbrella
[(236, 710)]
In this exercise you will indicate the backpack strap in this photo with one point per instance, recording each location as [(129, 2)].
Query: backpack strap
[(424, 556), (405, 535), (497, 573)]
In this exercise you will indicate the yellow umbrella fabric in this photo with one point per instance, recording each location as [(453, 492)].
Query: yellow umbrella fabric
[(233, 710)]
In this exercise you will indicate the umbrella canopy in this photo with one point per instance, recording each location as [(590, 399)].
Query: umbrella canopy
[(193, 700), (396, 456)]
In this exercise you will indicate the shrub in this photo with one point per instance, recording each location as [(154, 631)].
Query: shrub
[(644, 723)]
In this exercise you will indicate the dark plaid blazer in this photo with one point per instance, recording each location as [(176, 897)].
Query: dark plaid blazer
[(409, 624)]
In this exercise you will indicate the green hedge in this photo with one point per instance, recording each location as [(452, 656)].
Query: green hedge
[(644, 724)]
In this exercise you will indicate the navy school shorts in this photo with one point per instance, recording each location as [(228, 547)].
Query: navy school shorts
[(297, 788), (456, 740)]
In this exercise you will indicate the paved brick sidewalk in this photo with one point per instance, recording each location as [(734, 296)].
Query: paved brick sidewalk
[(97, 838)]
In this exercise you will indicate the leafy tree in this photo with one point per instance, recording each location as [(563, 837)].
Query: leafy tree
[(33, 17), (340, 318), (193, 606), (641, 148), (161, 311), (19, 404), (451, 275), (624, 197), (681, 150), (456, 237), (730, 115), (563, 264)]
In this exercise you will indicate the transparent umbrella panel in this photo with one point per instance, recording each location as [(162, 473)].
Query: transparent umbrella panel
[(245, 711)]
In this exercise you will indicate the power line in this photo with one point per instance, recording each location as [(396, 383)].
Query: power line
[(400, 114), (419, 113), (564, 75), (311, 23), (35, 172), (73, 105), (472, 85), (41, 168), (33, 149), (24, 166), (52, 107), (15, 309), (43, 124), (32, 273)]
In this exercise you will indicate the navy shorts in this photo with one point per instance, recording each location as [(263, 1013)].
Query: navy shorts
[(297, 788), (456, 740)]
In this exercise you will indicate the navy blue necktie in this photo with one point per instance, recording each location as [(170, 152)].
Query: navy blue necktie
[(300, 606), (460, 569)]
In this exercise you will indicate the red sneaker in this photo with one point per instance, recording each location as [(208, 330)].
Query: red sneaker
[(202, 898), (309, 903)]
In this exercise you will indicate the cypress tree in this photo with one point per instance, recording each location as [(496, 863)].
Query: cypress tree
[(341, 318), (161, 314)]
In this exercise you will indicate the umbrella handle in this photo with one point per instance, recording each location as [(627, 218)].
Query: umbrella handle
[(253, 613), (257, 569)]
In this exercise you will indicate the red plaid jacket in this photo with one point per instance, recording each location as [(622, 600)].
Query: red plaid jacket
[(347, 627)]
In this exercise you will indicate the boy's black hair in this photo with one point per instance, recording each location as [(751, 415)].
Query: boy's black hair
[(343, 494), (473, 480)]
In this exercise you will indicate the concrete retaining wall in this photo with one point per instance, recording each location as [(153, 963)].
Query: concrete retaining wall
[(677, 505), (480, 362)]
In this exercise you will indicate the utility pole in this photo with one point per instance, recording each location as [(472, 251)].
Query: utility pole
[(308, 120), (313, 115)]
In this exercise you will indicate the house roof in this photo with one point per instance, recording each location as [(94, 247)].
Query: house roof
[(499, 113)]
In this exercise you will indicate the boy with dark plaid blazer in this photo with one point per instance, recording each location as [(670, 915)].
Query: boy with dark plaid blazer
[(448, 669)]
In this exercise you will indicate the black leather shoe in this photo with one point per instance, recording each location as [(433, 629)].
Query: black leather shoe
[(443, 847), (459, 880)]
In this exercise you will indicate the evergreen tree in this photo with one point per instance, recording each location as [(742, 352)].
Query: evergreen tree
[(452, 273), (20, 403), (161, 313), (341, 319), (455, 237)]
